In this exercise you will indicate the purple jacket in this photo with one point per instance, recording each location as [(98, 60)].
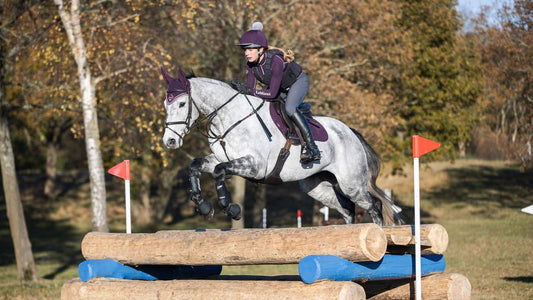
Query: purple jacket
[(277, 66)]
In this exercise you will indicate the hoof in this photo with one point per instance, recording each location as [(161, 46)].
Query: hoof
[(234, 211), (204, 208)]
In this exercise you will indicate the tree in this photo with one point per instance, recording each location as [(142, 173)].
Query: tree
[(437, 92), (351, 51), (42, 84), (17, 224), (507, 51), (72, 24), (119, 49)]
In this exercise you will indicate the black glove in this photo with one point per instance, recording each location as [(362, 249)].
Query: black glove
[(241, 88)]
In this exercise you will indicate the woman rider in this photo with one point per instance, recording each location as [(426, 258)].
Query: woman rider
[(269, 75)]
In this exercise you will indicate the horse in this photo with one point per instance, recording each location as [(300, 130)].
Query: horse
[(244, 141)]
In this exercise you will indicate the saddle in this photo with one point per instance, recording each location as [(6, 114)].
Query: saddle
[(292, 134), (289, 130)]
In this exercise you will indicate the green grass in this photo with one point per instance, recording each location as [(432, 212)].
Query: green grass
[(478, 202), (495, 254)]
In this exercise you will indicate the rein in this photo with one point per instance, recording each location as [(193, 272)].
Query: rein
[(209, 117)]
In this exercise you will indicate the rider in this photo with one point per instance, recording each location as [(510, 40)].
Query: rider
[(272, 73)]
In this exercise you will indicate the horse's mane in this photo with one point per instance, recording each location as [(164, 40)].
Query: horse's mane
[(213, 81), (191, 75)]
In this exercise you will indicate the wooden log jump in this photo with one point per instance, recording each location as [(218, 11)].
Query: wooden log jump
[(104, 288), (434, 287), (433, 238), (358, 242)]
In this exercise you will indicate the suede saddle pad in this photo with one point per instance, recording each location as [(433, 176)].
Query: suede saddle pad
[(319, 132)]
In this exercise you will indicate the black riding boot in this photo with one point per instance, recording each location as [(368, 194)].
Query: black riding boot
[(310, 151)]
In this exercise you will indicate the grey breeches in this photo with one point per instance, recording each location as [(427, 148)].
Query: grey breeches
[(296, 94)]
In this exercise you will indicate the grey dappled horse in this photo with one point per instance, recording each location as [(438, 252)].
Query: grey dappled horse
[(239, 129)]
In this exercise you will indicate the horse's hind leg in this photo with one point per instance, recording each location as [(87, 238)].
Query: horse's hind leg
[(243, 166), (321, 187), (357, 192)]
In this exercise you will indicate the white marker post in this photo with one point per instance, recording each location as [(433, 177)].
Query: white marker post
[(325, 211), (421, 146), (128, 205), (299, 219), (528, 210), (122, 170), (264, 218)]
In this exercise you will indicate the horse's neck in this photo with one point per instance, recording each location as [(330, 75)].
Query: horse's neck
[(214, 95)]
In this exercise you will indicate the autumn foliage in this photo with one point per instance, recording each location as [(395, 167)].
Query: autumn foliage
[(389, 69)]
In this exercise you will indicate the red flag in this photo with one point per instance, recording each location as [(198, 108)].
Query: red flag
[(422, 146), (121, 170)]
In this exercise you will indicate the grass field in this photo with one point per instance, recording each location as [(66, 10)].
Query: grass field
[(478, 202)]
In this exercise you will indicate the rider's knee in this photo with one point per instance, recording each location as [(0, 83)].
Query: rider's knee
[(290, 110)]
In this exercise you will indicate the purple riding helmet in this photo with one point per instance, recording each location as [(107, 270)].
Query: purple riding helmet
[(254, 38)]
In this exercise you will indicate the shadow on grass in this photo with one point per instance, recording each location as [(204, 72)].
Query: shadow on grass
[(55, 241), (52, 241), (480, 185), (526, 279), (484, 189)]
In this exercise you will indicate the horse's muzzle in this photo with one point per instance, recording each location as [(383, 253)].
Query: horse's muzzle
[(172, 143)]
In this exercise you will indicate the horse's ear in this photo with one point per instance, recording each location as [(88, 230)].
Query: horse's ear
[(182, 78), (167, 77)]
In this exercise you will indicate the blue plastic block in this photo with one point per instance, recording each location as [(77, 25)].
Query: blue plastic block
[(316, 267), (113, 269)]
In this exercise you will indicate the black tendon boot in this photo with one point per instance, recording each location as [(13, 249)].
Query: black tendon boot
[(310, 151)]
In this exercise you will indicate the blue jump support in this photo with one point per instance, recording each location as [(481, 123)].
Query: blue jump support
[(316, 267), (113, 269)]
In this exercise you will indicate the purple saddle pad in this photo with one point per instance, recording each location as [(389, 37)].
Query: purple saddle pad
[(319, 132)]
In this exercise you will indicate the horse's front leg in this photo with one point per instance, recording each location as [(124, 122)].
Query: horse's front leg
[(197, 166), (244, 167)]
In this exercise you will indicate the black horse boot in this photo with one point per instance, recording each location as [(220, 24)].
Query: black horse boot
[(310, 150)]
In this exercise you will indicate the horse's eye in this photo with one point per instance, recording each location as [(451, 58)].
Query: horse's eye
[(182, 104)]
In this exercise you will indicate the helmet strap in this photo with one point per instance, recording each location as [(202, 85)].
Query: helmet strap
[(259, 54)]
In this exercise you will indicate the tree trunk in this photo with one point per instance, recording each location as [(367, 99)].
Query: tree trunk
[(462, 149), (318, 217), (51, 160), (166, 181), (53, 141), (260, 202), (144, 213), (72, 25), (19, 233), (239, 190)]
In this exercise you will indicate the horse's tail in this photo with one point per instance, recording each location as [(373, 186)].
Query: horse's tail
[(390, 212)]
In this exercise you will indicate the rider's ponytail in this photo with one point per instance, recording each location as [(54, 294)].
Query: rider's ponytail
[(287, 56)]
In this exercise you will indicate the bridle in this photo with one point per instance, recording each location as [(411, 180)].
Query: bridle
[(209, 117), (187, 122)]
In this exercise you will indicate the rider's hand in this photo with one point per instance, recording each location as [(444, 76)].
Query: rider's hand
[(241, 88)]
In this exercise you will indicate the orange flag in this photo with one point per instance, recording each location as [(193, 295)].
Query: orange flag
[(422, 146), (121, 170)]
